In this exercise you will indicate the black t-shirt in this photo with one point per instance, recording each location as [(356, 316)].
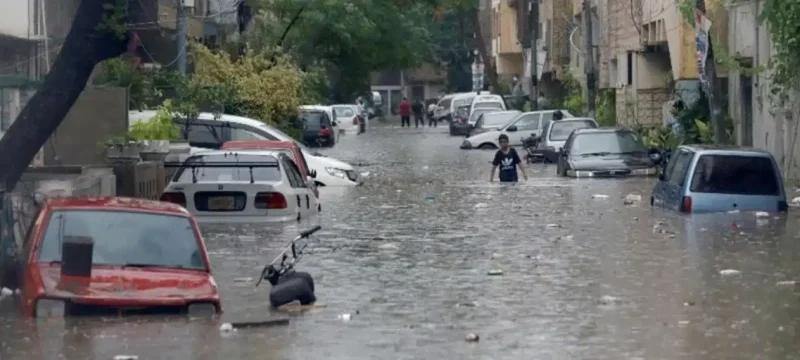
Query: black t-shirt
[(507, 162)]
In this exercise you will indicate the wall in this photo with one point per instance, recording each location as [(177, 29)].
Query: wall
[(99, 113), (16, 18), (774, 128)]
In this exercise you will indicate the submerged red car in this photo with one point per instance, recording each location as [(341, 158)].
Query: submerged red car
[(111, 255)]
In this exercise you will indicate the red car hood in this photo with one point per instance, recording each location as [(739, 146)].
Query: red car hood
[(142, 284)]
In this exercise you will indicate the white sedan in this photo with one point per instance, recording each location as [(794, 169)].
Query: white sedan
[(347, 116), (241, 186)]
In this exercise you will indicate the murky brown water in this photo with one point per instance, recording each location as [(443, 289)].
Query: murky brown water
[(608, 282)]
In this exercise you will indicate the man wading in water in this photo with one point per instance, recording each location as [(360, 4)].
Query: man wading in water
[(508, 161)]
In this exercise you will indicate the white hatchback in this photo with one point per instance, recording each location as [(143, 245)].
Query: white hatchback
[(241, 186)]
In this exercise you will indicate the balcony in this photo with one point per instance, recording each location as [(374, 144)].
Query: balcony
[(504, 29)]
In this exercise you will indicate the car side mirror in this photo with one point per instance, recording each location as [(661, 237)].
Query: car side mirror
[(512, 128), (312, 174)]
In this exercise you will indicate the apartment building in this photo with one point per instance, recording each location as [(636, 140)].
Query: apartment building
[(157, 24)]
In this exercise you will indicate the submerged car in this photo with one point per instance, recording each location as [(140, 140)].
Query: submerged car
[(606, 152), (111, 256), (241, 186), (286, 147), (555, 134), (493, 121), (522, 126), (703, 179), (318, 127)]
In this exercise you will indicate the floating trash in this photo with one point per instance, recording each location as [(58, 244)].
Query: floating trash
[(495, 272), (729, 272), (472, 337), (599, 196)]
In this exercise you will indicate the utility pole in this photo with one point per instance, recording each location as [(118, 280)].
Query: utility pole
[(534, 58), (588, 66), (181, 33)]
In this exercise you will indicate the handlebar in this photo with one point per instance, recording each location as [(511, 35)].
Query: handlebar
[(308, 232)]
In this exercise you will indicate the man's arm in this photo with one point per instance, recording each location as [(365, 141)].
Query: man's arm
[(519, 165), (491, 175)]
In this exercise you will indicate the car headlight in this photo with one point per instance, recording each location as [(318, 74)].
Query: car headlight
[(645, 172), (579, 173), (50, 308), (337, 172)]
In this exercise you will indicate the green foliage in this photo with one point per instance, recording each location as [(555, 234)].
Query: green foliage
[(351, 39), (160, 127), (606, 107), (146, 88), (783, 17), (115, 12), (659, 137)]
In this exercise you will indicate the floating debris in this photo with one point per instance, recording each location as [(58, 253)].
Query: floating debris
[(243, 280), (729, 272), (599, 196), (472, 337), (226, 327), (733, 212), (609, 300), (631, 199), (762, 214), (683, 322), (259, 323), (345, 317), (126, 357), (481, 205), (495, 272), (553, 225), (787, 283), (430, 197), (389, 246)]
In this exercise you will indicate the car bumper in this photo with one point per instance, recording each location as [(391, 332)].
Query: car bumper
[(466, 145), (646, 172), (242, 219)]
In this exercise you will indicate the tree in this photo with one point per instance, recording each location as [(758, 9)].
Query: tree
[(97, 33)]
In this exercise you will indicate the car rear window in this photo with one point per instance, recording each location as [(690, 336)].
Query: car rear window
[(445, 103), (560, 130), (345, 112), (735, 174), (616, 142), (313, 120), (499, 119), (233, 173), (125, 238), (488, 105)]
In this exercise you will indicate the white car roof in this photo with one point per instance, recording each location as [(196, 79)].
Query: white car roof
[(273, 153)]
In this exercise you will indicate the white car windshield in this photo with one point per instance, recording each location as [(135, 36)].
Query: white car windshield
[(189, 174), (125, 238)]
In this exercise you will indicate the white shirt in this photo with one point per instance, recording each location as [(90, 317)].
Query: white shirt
[(431, 107)]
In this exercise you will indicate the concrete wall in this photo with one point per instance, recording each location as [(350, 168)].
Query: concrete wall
[(16, 18), (99, 114)]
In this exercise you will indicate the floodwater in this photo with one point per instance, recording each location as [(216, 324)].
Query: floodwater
[(407, 255)]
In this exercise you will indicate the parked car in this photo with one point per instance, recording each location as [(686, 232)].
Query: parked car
[(606, 152), (241, 186), (210, 131), (288, 148), (74, 266), (487, 101), (348, 117), (555, 134), (493, 121), (442, 112), (522, 126), (317, 128), (459, 125), (703, 179)]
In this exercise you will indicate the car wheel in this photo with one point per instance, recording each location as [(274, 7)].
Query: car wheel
[(487, 146)]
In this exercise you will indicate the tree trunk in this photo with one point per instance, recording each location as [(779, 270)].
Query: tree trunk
[(488, 61), (88, 43)]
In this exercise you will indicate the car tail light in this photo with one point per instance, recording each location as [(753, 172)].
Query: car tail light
[(174, 197), (270, 200), (324, 132), (783, 206), (686, 204)]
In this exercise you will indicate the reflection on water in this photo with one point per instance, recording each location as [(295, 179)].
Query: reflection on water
[(410, 250)]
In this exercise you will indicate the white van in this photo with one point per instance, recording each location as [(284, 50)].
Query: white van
[(448, 104), (208, 131), (488, 101)]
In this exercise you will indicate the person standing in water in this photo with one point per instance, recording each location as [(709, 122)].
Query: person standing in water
[(507, 159), (418, 109), (405, 113)]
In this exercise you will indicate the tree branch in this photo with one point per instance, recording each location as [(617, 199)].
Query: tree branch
[(291, 24)]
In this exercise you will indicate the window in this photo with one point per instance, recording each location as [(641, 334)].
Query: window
[(202, 133), (735, 174), (295, 179), (560, 130), (314, 120), (620, 142), (342, 111), (678, 167), (528, 122), (498, 119), (477, 113), (244, 134), (233, 173), (445, 103), (488, 105), (630, 68), (125, 238)]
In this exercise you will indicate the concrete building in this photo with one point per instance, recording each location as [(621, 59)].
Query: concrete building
[(425, 82), (507, 49), (759, 120), (158, 22)]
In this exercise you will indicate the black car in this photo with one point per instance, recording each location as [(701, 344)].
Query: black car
[(459, 124), (606, 152), (317, 128)]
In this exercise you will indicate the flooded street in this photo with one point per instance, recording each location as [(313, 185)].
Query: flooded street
[(407, 254)]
